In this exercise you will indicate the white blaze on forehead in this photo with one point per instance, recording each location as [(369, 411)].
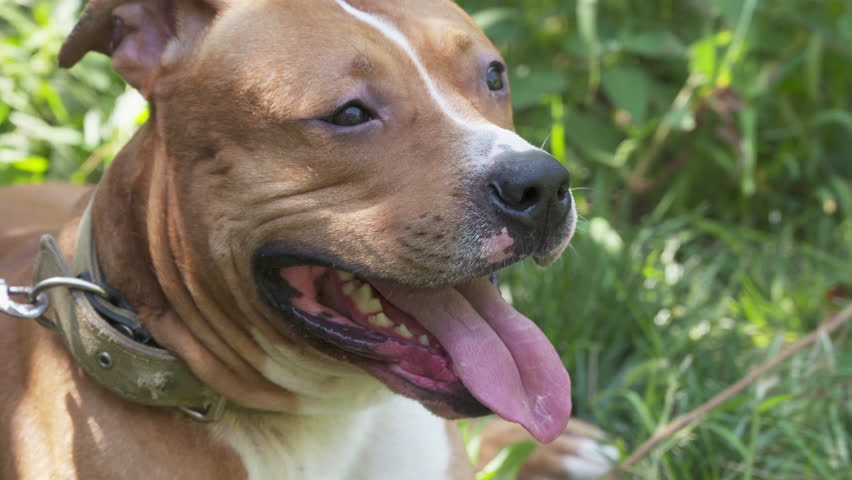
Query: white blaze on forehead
[(485, 140), (393, 34)]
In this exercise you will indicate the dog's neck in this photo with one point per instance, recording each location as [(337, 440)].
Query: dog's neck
[(189, 307), (118, 221)]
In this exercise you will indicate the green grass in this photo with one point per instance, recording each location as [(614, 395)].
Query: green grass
[(709, 143)]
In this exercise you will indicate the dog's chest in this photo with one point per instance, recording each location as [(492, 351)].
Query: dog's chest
[(397, 440)]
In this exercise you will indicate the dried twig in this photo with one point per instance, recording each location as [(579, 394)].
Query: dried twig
[(683, 421)]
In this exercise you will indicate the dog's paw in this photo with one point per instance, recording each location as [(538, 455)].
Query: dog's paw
[(580, 453)]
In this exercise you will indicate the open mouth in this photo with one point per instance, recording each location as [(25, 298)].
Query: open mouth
[(460, 350)]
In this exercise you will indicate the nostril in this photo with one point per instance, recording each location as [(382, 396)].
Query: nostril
[(528, 198), (513, 198), (562, 193)]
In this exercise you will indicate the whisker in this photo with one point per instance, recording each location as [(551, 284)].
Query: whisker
[(572, 250)]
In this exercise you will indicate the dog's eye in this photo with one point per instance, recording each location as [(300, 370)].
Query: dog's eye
[(494, 76), (350, 115)]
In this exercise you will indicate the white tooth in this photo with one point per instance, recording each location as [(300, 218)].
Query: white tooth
[(365, 301), (380, 320), (424, 340), (345, 276), (363, 293), (403, 331), (372, 305), (349, 288)]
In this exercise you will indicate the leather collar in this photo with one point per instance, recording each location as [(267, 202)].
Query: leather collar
[(115, 357)]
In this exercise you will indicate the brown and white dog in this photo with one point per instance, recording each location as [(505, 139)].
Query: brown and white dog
[(309, 221)]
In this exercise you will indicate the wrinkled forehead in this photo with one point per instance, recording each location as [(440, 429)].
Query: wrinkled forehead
[(431, 43)]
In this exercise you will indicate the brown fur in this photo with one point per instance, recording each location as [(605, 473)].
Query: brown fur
[(227, 163)]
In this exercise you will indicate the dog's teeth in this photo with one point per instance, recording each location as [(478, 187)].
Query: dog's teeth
[(349, 288), (380, 320), (365, 301), (424, 340), (372, 305), (364, 293), (403, 331), (345, 276)]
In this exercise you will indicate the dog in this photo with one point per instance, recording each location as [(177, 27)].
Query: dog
[(290, 265)]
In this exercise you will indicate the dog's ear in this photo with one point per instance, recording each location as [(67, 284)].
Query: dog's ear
[(138, 35)]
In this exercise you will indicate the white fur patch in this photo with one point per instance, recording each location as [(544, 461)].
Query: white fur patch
[(324, 384), (397, 439), (284, 447), (407, 443)]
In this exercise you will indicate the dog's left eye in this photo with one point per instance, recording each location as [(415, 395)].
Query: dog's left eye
[(494, 76), (350, 115)]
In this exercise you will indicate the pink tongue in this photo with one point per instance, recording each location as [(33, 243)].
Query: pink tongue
[(501, 356)]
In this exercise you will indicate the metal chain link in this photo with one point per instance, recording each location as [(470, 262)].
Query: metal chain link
[(37, 301)]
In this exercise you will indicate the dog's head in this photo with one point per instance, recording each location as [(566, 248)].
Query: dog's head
[(349, 168)]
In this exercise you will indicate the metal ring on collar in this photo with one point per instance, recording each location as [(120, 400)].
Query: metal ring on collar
[(67, 282)]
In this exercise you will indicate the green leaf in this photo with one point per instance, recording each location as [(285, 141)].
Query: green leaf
[(490, 17), (506, 464), (593, 136), (31, 165), (629, 89), (656, 44), (557, 131), (531, 84), (587, 20), (771, 402), (730, 437), (748, 126)]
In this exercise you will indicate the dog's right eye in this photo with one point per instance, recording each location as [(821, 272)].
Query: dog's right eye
[(350, 115)]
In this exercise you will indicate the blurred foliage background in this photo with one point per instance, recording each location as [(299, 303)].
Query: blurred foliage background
[(709, 146)]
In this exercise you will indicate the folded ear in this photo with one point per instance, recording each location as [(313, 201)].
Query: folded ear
[(136, 34)]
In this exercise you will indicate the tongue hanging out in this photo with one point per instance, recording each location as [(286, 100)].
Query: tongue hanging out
[(502, 357), (439, 339)]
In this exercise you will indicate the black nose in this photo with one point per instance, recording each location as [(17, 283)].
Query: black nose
[(531, 190)]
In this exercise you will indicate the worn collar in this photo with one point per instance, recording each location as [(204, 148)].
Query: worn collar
[(116, 354)]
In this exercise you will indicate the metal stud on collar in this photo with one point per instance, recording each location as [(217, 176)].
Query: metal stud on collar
[(104, 360)]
